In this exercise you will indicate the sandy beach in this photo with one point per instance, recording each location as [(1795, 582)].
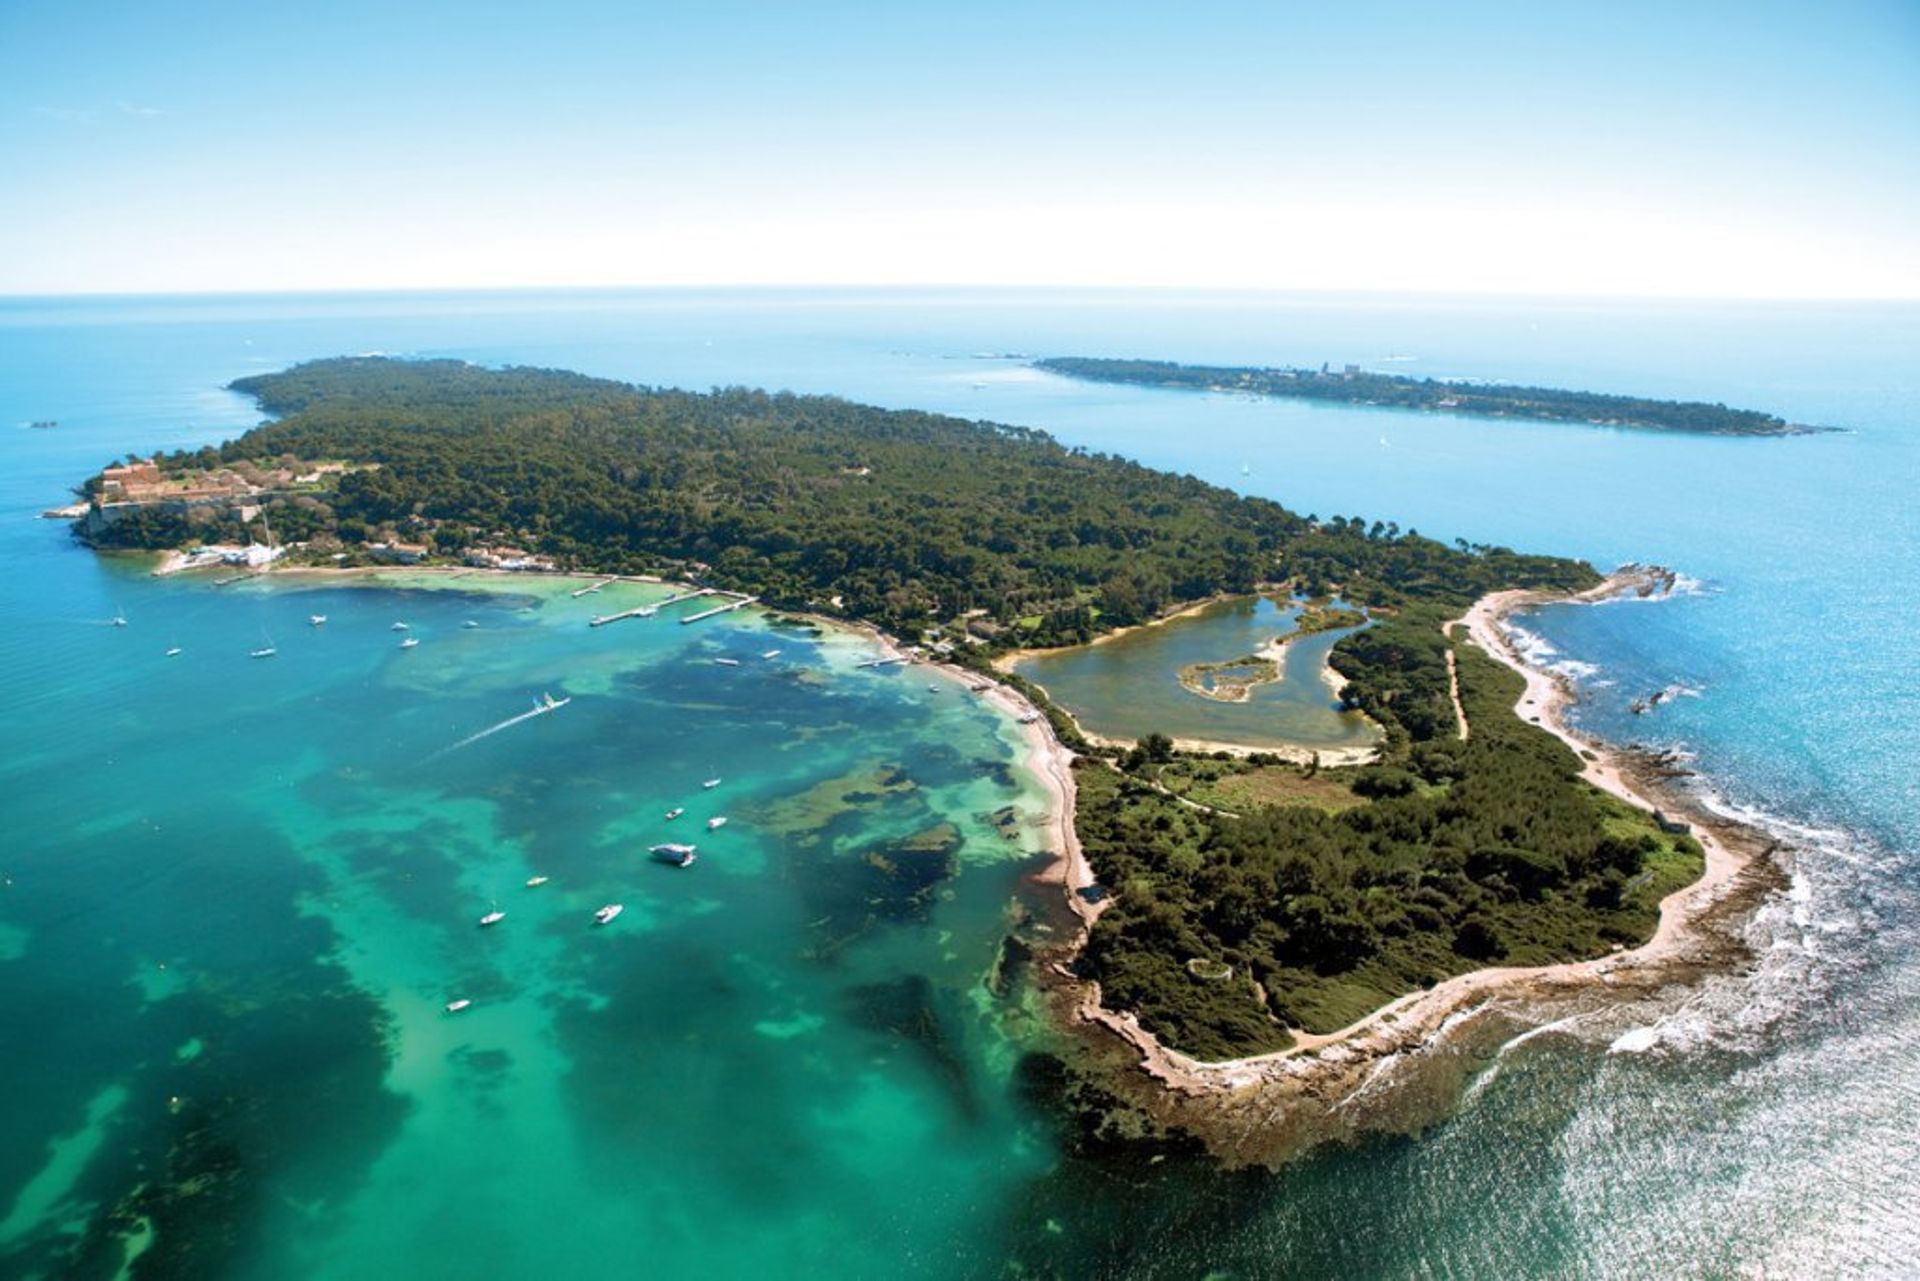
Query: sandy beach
[(1264, 1109)]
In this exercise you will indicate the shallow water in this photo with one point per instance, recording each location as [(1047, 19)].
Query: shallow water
[(1128, 687), (237, 892)]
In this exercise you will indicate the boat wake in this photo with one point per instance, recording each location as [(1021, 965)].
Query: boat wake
[(542, 706)]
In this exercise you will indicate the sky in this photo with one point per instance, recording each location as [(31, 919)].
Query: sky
[(1680, 148)]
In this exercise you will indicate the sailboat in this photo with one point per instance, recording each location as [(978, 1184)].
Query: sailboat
[(265, 651), (494, 917), (174, 651)]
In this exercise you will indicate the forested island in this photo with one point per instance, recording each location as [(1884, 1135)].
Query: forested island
[(1355, 386), (1281, 897)]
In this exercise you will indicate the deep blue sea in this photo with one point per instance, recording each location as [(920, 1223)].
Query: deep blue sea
[(235, 894)]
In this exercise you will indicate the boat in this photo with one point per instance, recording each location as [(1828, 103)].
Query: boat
[(454, 1007), (1031, 718), (772, 653), (676, 812), (469, 624), (118, 620), (677, 855), (174, 652), (548, 703), (265, 651), (727, 662), (607, 913), (711, 783), (494, 917), (715, 824), (933, 689), (533, 881), (409, 642), (317, 620), (44, 424), (399, 627)]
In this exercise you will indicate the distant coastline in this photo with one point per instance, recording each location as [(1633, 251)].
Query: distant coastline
[(1353, 385)]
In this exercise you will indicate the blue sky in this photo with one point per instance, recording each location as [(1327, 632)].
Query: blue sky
[(1750, 149)]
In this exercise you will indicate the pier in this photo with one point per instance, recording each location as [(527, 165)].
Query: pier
[(588, 591), (888, 661), (695, 594), (729, 607), (638, 611)]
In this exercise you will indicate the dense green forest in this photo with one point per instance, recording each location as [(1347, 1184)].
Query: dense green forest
[(1444, 856), (1361, 387), (907, 518)]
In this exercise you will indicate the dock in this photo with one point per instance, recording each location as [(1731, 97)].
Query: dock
[(695, 594), (888, 661), (727, 608), (588, 591), (638, 611)]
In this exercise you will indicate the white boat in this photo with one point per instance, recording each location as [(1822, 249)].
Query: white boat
[(118, 620), (548, 703), (933, 689), (1031, 718), (454, 1007), (409, 642), (317, 620), (711, 783), (676, 812), (174, 652), (398, 627), (607, 913), (469, 624), (494, 917), (715, 824), (677, 855), (533, 881), (265, 651), (772, 653), (727, 662)]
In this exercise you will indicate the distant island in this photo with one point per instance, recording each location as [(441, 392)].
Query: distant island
[(1233, 906), (1353, 385)]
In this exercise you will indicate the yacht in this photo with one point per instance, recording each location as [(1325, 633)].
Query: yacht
[(470, 624), (715, 824), (535, 881), (317, 620), (772, 653), (409, 642), (398, 627), (727, 662), (118, 620), (677, 855), (454, 1007), (174, 652), (607, 913), (711, 783), (494, 917), (676, 812)]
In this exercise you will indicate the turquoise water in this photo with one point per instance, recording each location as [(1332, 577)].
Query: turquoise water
[(1128, 687), (714, 1085)]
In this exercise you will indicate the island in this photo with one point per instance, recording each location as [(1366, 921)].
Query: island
[(1352, 385), (1231, 908)]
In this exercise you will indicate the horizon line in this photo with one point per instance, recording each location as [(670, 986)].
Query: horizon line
[(788, 287)]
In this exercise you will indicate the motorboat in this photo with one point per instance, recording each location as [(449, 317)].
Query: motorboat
[(711, 783), (676, 855), (534, 881), (727, 662), (676, 812), (409, 642), (607, 913), (175, 652), (398, 627), (454, 1007), (715, 824), (772, 653), (316, 620)]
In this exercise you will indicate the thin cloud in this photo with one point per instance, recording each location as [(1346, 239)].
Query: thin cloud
[(135, 109)]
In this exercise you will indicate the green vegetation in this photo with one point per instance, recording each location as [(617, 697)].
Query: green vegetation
[(1360, 387), (1463, 854), (909, 519)]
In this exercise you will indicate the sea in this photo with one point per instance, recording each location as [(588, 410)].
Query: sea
[(237, 893)]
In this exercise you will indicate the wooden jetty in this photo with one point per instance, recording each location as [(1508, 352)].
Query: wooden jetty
[(729, 607)]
